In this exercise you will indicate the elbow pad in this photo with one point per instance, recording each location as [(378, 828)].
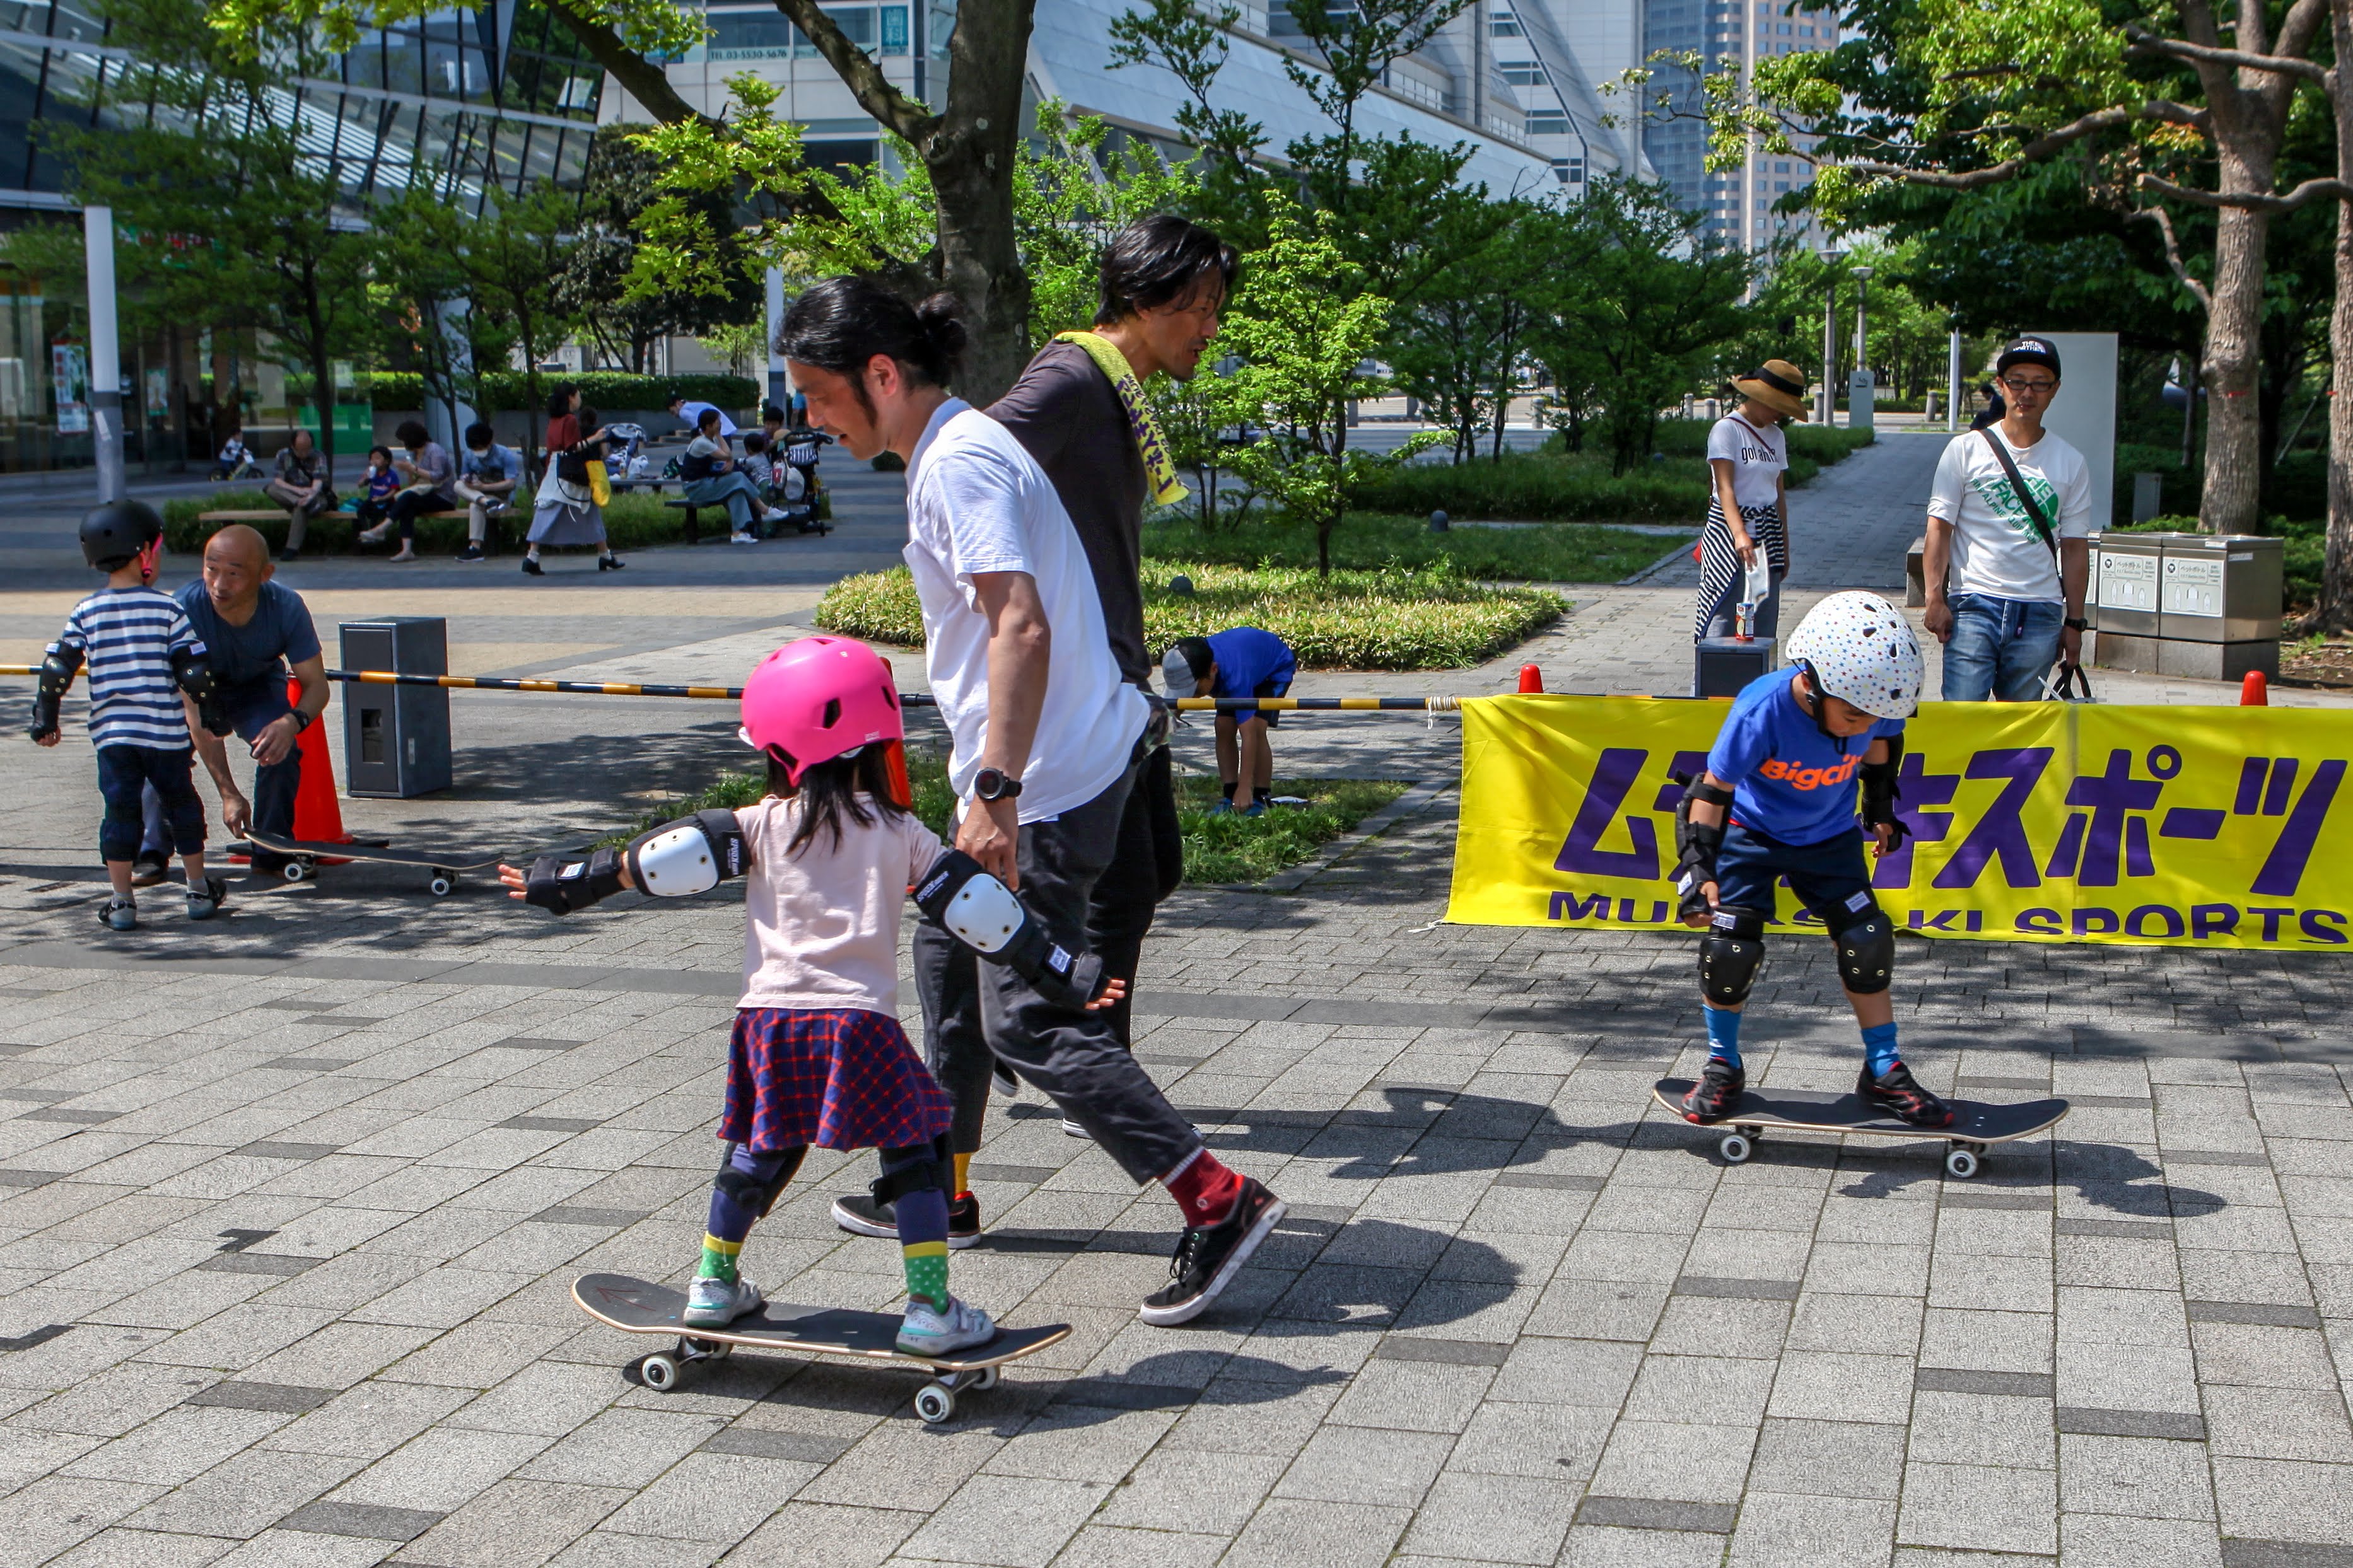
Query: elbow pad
[(58, 667), (1881, 791), (984, 915), (693, 855), (561, 885), (192, 674)]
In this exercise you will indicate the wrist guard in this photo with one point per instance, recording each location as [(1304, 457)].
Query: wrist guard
[(1697, 844), (57, 667), (560, 886), (192, 674), (693, 855), (984, 915), (1881, 791)]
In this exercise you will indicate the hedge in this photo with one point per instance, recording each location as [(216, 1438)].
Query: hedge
[(631, 522), (602, 389)]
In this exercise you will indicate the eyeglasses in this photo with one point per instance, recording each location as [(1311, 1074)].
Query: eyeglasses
[(2038, 387)]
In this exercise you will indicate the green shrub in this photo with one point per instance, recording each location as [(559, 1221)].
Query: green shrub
[(1228, 847), (1551, 552), (600, 389), (631, 522), (1393, 618)]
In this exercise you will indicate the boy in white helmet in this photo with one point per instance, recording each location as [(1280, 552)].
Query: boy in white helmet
[(1778, 798)]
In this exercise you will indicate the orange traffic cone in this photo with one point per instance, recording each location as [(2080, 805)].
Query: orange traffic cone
[(1530, 678), (2254, 691), (317, 815)]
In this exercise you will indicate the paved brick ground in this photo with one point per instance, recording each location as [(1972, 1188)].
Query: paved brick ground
[(289, 1208)]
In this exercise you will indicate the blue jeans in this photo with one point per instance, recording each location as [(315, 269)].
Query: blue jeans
[(732, 490), (123, 772), (2001, 649)]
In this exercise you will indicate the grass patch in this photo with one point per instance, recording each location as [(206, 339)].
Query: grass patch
[(1567, 553), (1391, 618), (1236, 849), (1226, 848)]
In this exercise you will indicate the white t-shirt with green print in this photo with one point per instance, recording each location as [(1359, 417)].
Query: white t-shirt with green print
[(1996, 550)]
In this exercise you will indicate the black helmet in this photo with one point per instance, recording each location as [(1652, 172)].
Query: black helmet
[(113, 534)]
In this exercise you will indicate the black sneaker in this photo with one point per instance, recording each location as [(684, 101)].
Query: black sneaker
[(532, 568), (146, 870), (1719, 1089), (472, 553), (860, 1215), (1209, 1255), (1897, 1090), (1006, 1084)]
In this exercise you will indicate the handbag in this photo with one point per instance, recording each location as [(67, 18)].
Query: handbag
[(2068, 683), (600, 483)]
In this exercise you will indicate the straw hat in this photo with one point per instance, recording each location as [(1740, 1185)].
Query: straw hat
[(1779, 385)]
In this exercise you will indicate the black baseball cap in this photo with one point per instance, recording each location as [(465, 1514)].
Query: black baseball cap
[(2028, 351)]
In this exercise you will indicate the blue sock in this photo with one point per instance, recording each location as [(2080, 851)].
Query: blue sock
[(1879, 1048), (1723, 1034)]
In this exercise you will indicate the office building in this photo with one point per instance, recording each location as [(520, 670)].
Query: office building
[(1729, 35)]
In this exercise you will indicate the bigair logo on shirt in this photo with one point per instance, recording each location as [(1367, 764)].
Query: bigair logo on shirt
[(1808, 778)]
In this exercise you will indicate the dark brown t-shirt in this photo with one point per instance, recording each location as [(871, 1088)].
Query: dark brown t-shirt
[(1065, 414)]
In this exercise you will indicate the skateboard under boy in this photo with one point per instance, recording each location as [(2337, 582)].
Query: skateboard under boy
[(305, 856), (636, 1306), (1974, 1124)]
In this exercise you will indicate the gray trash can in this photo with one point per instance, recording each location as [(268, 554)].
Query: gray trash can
[(2219, 607), (2127, 571), (395, 738), (1723, 667)]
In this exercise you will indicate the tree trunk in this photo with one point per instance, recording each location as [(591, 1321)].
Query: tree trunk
[(970, 154), (2336, 605)]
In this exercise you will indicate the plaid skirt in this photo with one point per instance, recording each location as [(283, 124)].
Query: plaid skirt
[(845, 1079)]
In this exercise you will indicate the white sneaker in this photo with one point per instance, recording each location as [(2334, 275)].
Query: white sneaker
[(929, 1332), (715, 1303), (741, 539)]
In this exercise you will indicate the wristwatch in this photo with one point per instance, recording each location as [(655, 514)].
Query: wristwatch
[(995, 783), (2076, 624)]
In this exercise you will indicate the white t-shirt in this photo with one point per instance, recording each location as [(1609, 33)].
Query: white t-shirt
[(1996, 550), (823, 928), (1758, 458), (978, 502)]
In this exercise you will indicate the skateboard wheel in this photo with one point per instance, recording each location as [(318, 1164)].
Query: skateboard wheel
[(659, 1372), (1734, 1148), (295, 872), (985, 1380), (442, 883), (1961, 1163), (935, 1403)]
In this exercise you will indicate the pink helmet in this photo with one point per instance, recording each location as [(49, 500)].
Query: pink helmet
[(819, 699)]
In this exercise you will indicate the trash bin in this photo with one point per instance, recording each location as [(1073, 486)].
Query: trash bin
[(2218, 606), (2126, 569), (1723, 667), (395, 738)]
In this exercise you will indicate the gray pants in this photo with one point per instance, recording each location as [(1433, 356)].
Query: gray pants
[(299, 513), (977, 1013), (1769, 614)]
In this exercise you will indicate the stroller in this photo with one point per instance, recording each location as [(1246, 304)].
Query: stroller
[(804, 498), (626, 461)]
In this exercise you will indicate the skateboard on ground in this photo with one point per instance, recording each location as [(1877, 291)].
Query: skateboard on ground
[(305, 856), (1974, 1124), (634, 1307)]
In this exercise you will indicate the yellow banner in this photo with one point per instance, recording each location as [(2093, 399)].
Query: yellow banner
[(2031, 821)]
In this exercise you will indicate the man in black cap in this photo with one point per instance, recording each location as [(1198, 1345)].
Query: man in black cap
[(2008, 556)]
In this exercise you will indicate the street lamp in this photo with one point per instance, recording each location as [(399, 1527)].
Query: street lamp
[(1826, 399), (1859, 394)]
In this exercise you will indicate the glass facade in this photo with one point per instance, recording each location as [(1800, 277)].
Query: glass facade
[(464, 102)]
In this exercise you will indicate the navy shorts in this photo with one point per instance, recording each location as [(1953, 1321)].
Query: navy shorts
[(1830, 877)]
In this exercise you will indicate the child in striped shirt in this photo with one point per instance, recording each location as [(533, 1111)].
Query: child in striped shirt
[(142, 656)]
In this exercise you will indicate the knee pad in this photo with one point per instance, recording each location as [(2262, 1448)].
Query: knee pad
[(1866, 954), (926, 1170), (1730, 954), (748, 1190)]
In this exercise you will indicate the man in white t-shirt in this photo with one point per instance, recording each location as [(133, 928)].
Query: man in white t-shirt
[(2005, 585), (689, 413), (1047, 738)]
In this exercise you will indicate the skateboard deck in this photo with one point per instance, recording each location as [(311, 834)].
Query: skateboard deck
[(1974, 1124), (636, 1306), (308, 853)]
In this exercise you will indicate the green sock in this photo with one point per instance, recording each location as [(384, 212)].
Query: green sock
[(719, 1259), (927, 1271)]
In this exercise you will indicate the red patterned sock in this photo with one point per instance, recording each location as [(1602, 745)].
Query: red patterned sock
[(1204, 1188)]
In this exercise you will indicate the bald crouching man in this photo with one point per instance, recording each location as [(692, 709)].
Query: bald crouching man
[(253, 629)]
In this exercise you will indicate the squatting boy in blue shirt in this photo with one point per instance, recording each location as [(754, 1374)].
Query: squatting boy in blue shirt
[(1778, 798), (1243, 662)]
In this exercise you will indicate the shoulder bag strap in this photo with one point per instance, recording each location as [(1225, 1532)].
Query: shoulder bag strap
[(2018, 488)]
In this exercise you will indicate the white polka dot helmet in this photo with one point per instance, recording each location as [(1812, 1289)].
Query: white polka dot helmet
[(1862, 651)]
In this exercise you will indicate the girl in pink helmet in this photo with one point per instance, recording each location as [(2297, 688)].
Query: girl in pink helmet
[(818, 1056)]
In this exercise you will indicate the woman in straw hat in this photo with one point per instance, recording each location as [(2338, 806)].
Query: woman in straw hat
[(1748, 509)]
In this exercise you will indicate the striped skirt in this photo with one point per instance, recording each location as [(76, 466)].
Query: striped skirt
[(1720, 570)]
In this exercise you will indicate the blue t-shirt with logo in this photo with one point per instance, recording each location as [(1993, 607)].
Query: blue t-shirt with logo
[(1791, 782), (1252, 663)]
